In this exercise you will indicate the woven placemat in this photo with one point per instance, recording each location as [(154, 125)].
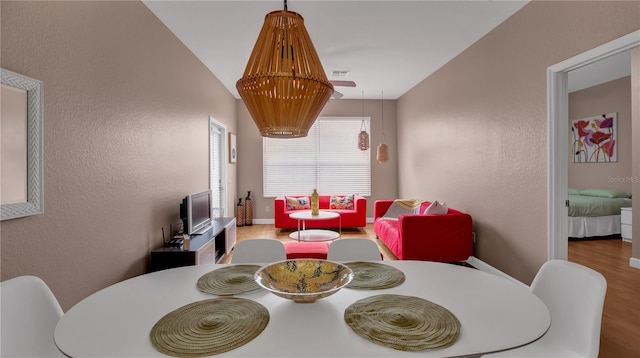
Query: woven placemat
[(229, 280), (209, 327), (405, 323), (374, 276)]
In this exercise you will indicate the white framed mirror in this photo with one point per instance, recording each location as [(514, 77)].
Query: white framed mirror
[(21, 127)]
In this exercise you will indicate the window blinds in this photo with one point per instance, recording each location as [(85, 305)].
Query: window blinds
[(216, 151), (328, 159)]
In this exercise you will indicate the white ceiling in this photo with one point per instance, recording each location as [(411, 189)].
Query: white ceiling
[(387, 46)]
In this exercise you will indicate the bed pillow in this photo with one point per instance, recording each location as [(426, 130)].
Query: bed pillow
[(341, 202), (574, 191), (298, 203), (605, 193), (437, 208)]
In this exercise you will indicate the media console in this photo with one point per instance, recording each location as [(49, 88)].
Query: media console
[(206, 248)]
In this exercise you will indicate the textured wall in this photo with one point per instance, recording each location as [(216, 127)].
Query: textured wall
[(475, 132), (613, 96), (126, 110), (384, 179)]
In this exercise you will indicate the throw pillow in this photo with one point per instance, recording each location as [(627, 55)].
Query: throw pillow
[(298, 203), (574, 191), (605, 193), (341, 202), (437, 208)]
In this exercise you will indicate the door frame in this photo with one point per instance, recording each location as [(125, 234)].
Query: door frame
[(557, 134)]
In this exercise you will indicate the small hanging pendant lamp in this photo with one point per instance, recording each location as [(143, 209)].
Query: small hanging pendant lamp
[(382, 155), (284, 85), (363, 137)]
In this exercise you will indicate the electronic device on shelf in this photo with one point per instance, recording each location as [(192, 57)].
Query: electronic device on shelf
[(195, 212), (175, 242)]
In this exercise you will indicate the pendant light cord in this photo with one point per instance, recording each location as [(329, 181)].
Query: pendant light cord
[(285, 5), (363, 123), (382, 114)]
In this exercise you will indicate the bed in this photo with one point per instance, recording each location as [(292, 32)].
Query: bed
[(596, 212)]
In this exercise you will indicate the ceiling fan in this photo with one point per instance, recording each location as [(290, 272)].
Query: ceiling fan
[(340, 83)]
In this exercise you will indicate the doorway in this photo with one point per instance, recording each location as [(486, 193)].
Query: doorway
[(217, 165), (558, 156)]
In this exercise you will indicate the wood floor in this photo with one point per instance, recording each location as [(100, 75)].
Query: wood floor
[(620, 334)]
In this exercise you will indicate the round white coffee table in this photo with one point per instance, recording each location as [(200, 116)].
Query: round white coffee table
[(302, 234)]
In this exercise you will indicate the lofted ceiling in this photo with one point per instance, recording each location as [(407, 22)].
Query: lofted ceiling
[(386, 46)]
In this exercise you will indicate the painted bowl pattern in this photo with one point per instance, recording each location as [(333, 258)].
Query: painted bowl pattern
[(304, 280)]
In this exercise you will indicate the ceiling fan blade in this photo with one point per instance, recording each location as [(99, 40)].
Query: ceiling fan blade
[(336, 95), (343, 83)]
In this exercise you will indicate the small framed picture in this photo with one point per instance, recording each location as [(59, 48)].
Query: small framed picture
[(233, 151)]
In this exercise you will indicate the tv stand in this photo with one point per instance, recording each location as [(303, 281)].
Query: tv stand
[(203, 230), (206, 248)]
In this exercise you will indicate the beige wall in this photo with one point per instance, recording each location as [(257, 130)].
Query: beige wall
[(613, 96), (635, 171), (384, 181), (126, 110), (475, 132)]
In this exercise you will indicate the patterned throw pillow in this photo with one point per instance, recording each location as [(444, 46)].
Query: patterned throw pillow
[(298, 203), (342, 202)]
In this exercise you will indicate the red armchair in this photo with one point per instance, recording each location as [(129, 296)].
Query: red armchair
[(444, 238)]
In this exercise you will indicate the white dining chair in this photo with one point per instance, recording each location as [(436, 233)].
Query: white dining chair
[(258, 250), (29, 314), (353, 249), (574, 295)]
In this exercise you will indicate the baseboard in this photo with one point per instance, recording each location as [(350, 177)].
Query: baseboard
[(263, 221), (634, 262)]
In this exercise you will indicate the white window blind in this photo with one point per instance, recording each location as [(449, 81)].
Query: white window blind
[(328, 159), (216, 152)]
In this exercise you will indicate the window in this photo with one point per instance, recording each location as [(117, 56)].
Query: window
[(328, 159)]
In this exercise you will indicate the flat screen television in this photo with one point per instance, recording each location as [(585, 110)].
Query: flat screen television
[(195, 212)]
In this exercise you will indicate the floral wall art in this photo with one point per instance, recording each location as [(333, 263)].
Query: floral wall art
[(594, 139)]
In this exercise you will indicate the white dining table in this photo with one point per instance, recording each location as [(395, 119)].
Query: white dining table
[(494, 314)]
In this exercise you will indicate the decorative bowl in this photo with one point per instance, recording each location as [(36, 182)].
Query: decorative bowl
[(304, 280)]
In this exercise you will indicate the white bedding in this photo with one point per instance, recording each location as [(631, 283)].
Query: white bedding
[(584, 226), (589, 226)]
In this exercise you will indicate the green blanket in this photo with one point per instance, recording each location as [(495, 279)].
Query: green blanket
[(580, 205)]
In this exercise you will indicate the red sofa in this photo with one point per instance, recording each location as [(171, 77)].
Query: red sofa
[(350, 218), (444, 238)]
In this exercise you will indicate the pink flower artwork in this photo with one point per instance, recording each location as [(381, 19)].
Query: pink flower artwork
[(593, 139)]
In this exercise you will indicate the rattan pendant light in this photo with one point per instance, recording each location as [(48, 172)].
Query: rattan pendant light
[(383, 153), (363, 137), (284, 85)]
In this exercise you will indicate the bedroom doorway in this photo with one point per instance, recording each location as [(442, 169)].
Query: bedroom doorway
[(557, 119)]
